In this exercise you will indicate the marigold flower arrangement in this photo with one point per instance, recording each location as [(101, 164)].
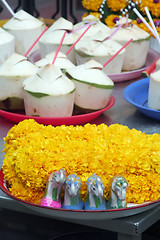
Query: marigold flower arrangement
[(33, 151), (109, 11)]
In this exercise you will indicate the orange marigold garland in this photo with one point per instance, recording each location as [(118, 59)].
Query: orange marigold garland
[(116, 5), (95, 14), (152, 5), (33, 151), (111, 11), (111, 20), (92, 5)]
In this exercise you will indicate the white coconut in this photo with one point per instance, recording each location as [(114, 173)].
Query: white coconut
[(92, 48), (61, 61), (158, 65), (92, 64), (93, 87), (154, 91), (7, 45), (12, 73), (26, 29), (97, 27), (51, 39), (48, 93), (123, 21), (136, 51)]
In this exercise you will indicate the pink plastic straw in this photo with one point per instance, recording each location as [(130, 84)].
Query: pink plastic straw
[(126, 20), (78, 40), (116, 30), (59, 47), (35, 42), (105, 64), (81, 27)]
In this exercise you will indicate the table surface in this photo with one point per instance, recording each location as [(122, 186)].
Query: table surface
[(123, 113)]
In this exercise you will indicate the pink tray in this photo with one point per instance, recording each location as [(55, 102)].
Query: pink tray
[(57, 121)]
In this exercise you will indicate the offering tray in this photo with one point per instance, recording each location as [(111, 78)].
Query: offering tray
[(84, 215), (57, 121), (152, 56)]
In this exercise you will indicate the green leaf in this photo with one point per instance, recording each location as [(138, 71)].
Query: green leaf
[(37, 94), (141, 40), (94, 84)]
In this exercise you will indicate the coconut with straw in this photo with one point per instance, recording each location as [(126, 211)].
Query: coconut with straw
[(97, 26), (62, 60), (12, 74), (93, 86), (49, 93), (100, 49), (50, 41), (136, 52)]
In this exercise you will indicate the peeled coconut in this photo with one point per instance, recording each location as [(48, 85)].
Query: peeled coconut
[(92, 64), (136, 51), (61, 61), (154, 91), (50, 40), (48, 93), (26, 29), (12, 73), (97, 27), (7, 45), (93, 86), (158, 65), (96, 48)]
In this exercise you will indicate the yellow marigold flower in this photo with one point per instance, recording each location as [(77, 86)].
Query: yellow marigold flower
[(33, 151), (85, 15), (96, 14), (92, 5), (153, 7), (111, 20), (144, 27), (116, 5)]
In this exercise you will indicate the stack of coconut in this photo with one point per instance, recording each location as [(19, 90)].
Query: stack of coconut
[(78, 79)]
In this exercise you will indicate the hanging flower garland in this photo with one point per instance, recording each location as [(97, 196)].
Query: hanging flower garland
[(109, 11)]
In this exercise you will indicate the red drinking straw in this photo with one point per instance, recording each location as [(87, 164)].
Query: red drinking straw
[(78, 40), (59, 47), (35, 42), (105, 64)]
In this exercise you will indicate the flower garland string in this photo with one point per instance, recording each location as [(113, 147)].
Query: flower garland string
[(109, 12)]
